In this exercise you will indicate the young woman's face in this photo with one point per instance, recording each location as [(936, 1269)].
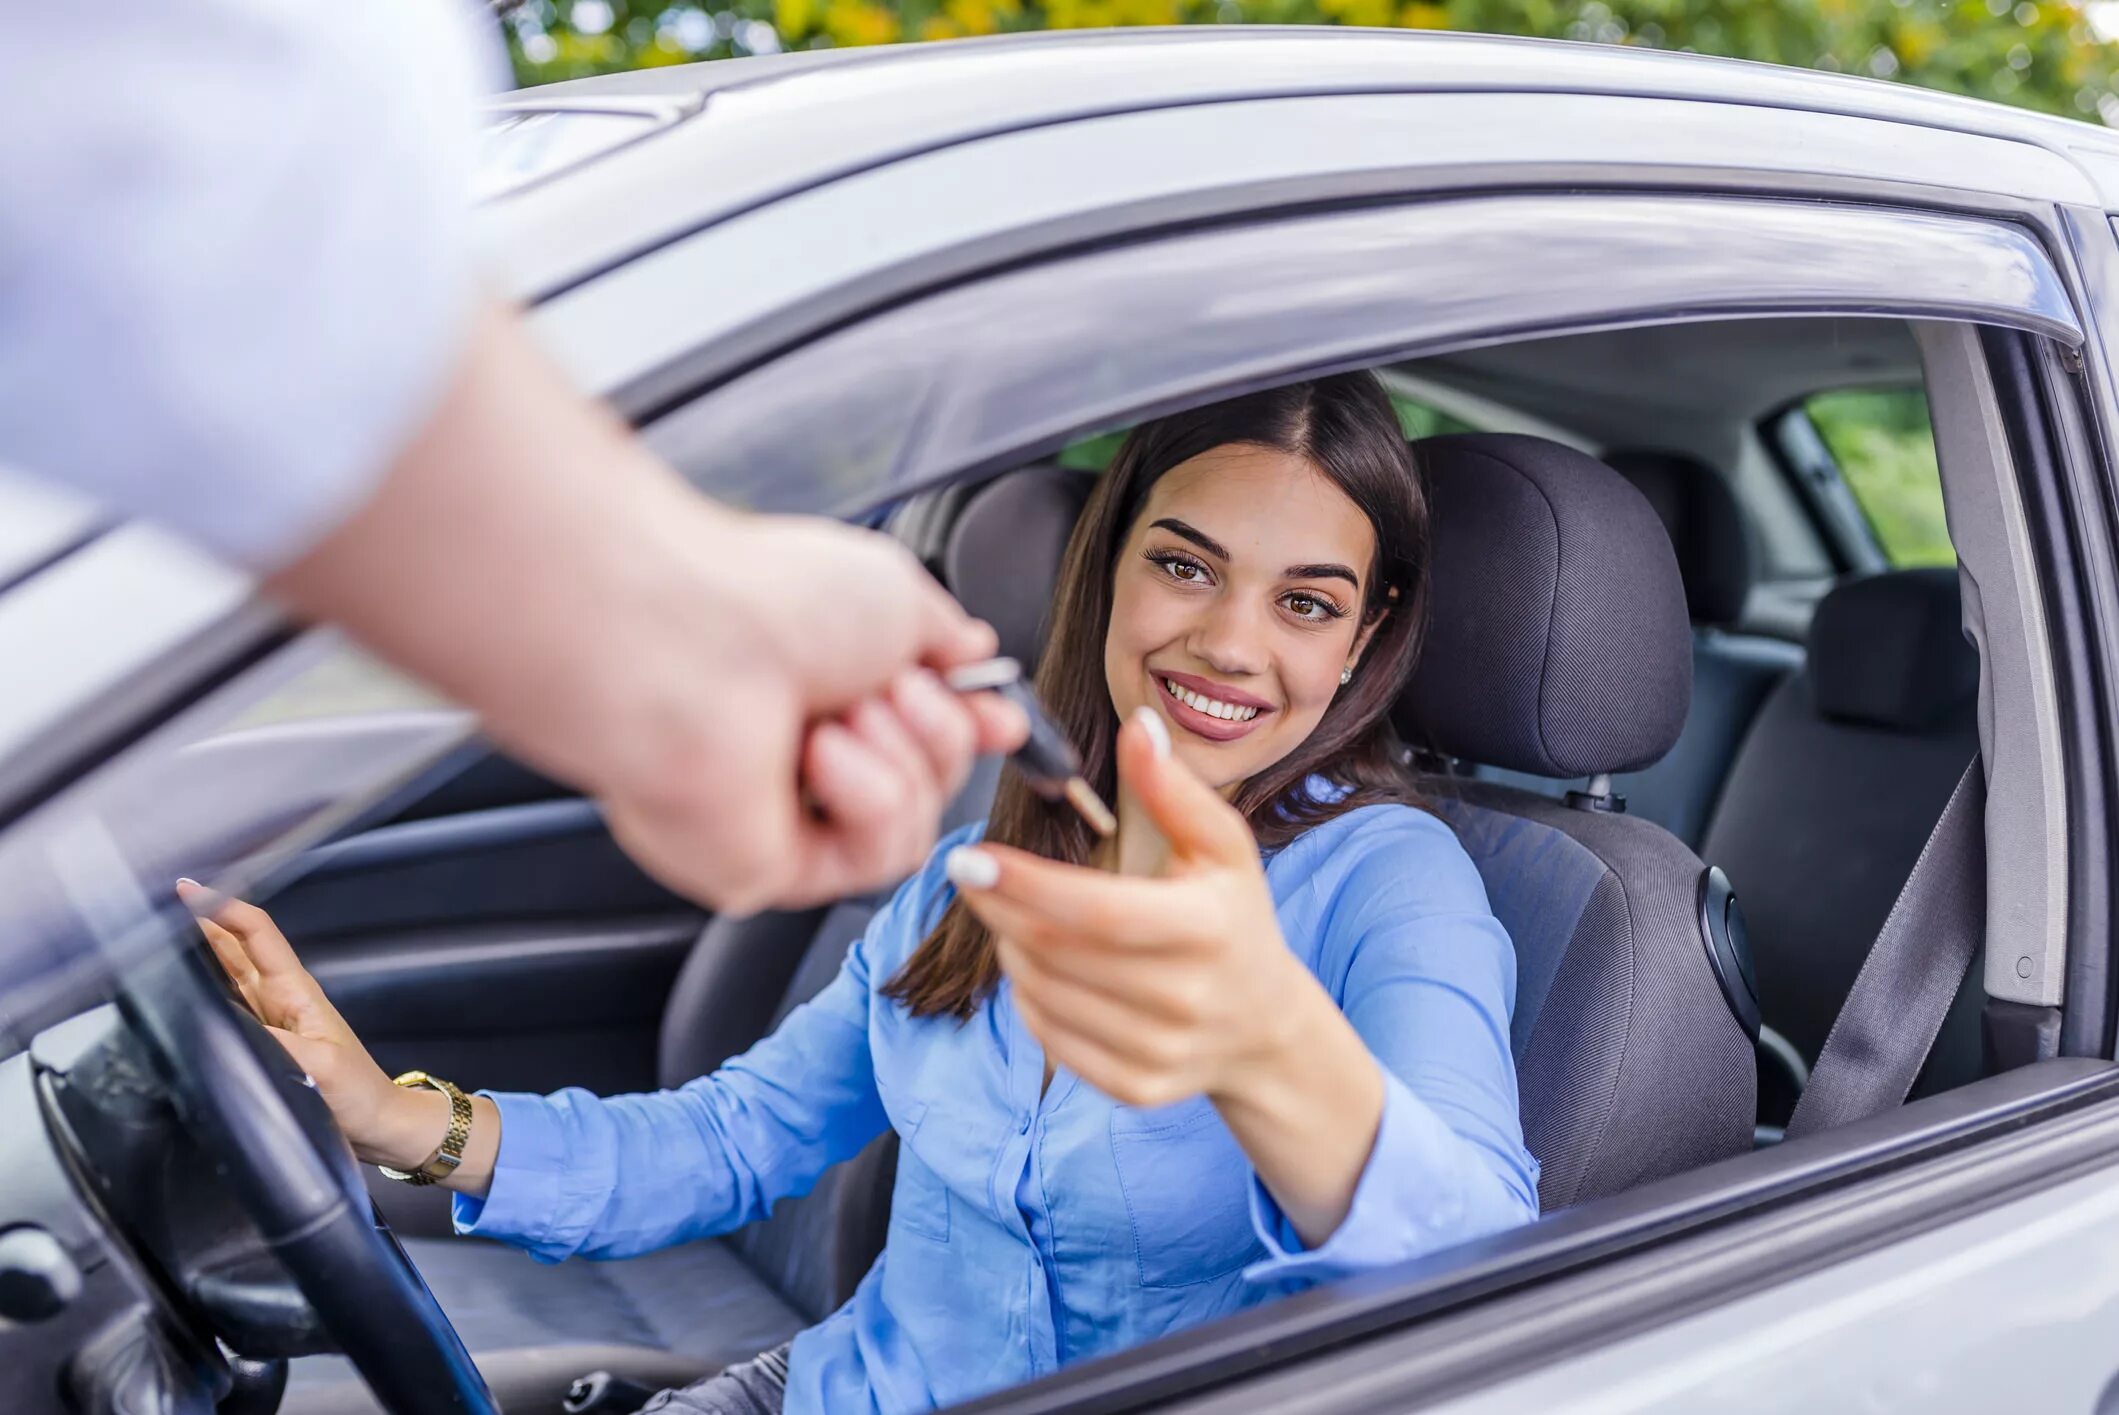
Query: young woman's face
[(1235, 606)]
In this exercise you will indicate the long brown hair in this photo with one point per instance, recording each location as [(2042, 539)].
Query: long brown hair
[(1344, 427)]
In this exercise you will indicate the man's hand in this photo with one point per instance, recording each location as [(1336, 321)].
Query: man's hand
[(751, 698), (829, 748)]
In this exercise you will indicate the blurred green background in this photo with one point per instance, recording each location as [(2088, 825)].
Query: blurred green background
[(2044, 54)]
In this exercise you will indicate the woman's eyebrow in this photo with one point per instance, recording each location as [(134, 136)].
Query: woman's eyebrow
[(1214, 548), (1321, 572), (1193, 534)]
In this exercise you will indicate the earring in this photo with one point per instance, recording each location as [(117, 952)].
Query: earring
[(1346, 676)]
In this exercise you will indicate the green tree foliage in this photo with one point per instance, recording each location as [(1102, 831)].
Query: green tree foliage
[(2041, 54)]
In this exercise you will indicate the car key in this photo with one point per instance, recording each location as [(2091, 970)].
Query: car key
[(1046, 759)]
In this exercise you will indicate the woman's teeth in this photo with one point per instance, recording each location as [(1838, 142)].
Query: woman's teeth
[(1210, 706)]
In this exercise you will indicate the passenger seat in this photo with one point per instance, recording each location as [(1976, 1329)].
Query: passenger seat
[(1833, 796), (1559, 646)]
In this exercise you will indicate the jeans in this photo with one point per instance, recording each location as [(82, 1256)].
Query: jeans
[(754, 1387)]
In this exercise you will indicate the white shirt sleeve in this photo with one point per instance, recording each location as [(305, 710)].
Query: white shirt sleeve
[(235, 254)]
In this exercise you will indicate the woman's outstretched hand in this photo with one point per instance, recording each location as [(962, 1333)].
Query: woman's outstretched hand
[(385, 1125), (1152, 990), (1155, 990)]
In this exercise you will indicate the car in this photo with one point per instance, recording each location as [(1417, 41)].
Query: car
[(1769, 418)]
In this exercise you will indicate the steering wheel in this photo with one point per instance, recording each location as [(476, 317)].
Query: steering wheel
[(247, 1104)]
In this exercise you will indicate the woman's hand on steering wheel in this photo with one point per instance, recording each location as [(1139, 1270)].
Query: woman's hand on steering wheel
[(383, 1123)]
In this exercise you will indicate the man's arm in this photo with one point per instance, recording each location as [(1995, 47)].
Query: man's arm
[(751, 697), (236, 299)]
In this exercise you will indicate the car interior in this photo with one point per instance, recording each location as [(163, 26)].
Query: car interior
[(1667, 637)]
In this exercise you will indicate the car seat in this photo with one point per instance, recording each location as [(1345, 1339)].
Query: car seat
[(1833, 796), (1560, 646), (1732, 671)]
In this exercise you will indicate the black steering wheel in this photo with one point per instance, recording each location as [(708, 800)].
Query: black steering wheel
[(280, 1157)]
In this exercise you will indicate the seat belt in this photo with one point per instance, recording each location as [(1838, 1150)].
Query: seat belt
[(1888, 1024)]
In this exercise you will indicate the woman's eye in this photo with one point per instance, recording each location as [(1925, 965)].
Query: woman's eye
[(1309, 606), (1180, 568)]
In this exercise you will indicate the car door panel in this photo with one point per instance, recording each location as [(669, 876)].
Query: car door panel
[(517, 1007), (511, 945)]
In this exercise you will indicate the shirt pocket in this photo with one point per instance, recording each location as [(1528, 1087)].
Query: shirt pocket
[(919, 1200), (1187, 1187)]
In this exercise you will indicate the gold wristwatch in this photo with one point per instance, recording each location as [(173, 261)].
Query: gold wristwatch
[(442, 1163)]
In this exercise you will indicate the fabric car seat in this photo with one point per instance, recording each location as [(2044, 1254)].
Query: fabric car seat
[(1732, 672), (1560, 646), (716, 1301), (1834, 793)]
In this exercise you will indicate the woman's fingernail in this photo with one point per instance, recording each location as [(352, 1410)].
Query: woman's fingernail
[(1151, 722), (968, 868), (187, 882)]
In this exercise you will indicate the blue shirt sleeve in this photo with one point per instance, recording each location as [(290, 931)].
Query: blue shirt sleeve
[(1426, 975), (610, 1178)]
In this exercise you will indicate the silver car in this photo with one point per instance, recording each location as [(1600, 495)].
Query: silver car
[(1815, 1013)]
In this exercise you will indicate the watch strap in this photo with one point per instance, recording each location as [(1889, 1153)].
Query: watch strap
[(450, 1153)]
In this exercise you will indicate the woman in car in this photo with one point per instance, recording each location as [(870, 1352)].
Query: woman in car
[(1258, 1039)]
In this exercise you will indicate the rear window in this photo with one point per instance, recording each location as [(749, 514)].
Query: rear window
[(1885, 447)]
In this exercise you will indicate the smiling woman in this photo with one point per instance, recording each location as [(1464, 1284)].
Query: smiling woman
[(1234, 570)]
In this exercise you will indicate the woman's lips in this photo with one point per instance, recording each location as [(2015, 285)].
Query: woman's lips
[(1200, 724)]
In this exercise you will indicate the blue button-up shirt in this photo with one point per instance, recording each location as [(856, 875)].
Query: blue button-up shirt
[(1028, 1231)]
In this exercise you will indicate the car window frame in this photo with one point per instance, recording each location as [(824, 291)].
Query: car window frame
[(1829, 1162), (1401, 250)]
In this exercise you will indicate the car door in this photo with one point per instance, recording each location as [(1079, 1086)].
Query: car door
[(493, 929)]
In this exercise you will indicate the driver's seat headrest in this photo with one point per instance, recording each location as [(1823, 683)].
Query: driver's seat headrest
[(1558, 641), (1001, 553)]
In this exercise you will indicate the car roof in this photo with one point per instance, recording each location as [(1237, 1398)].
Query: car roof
[(743, 132)]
